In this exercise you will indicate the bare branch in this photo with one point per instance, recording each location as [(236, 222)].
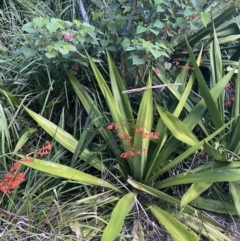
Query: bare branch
[(149, 87)]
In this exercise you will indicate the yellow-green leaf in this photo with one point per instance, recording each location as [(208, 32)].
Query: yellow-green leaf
[(63, 137), (194, 191), (118, 216), (60, 170), (144, 120), (235, 191), (177, 127), (177, 230)]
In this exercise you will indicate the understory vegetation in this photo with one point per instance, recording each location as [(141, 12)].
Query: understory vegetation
[(119, 120)]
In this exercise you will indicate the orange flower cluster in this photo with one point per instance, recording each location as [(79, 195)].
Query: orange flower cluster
[(27, 159), (127, 153), (47, 147), (113, 126), (12, 180), (153, 135), (128, 138), (132, 153)]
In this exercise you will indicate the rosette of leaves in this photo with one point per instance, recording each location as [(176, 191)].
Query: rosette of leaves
[(176, 145)]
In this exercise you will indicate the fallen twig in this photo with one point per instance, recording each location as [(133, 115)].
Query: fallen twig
[(149, 87)]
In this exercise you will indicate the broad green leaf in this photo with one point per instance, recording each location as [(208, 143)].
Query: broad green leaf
[(24, 138), (224, 175), (194, 191), (205, 92), (191, 121), (51, 55), (28, 53), (158, 24), (205, 17), (175, 228), (112, 27), (28, 27), (104, 42), (156, 53), (160, 9), (59, 170), (63, 137), (117, 86), (226, 24), (213, 152), (174, 202), (217, 70), (207, 230), (144, 120), (233, 144), (90, 106), (52, 27), (231, 38), (63, 51), (182, 103), (205, 31), (137, 61), (12, 98), (156, 32), (40, 22), (235, 191), (177, 127), (184, 90), (215, 166), (191, 150), (116, 114), (215, 206), (70, 47), (140, 29), (177, 160), (119, 213)]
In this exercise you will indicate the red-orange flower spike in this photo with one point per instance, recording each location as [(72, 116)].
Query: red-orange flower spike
[(27, 159), (127, 153), (145, 135), (122, 135), (154, 135), (11, 181), (141, 151), (139, 129), (4, 188), (117, 126), (129, 138), (20, 177), (110, 126), (14, 167), (47, 147)]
